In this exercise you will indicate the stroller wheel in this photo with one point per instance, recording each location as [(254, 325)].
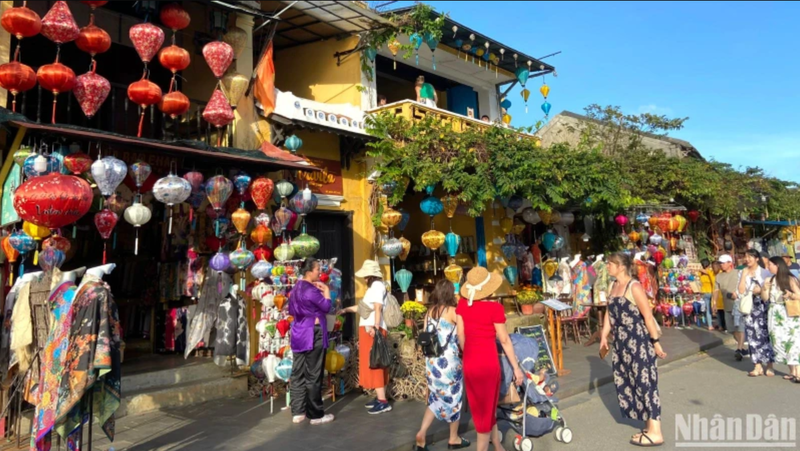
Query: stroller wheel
[(526, 444), (557, 433), (566, 435)]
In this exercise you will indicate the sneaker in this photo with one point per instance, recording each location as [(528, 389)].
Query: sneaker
[(324, 420), (297, 419), (738, 355), (371, 404), (380, 407)]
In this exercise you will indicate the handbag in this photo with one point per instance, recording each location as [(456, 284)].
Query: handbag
[(792, 307), (746, 303), (429, 342), (380, 356)]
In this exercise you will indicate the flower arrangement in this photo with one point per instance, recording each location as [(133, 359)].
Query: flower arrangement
[(529, 295), (413, 310)]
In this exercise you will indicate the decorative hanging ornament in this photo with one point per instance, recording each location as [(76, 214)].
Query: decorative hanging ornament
[(51, 258), (416, 42), (453, 273), (511, 274), (108, 173), (234, 86), (293, 143), (452, 242), (507, 119), (241, 220), (433, 239), (450, 205), (91, 90), (261, 234), (284, 188), (55, 78), (105, 221), (693, 216), (261, 192), (21, 22), (371, 53), (545, 90), (58, 25), (522, 74), (218, 112), (174, 58), (174, 104), (218, 191), (171, 190), (406, 248), (305, 246), (406, 217), (137, 215), (218, 56), (681, 223), (242, 182), (546, 108), (284, 252), (261, 269), (195, 179), (391, 218), (58, 242), (392, 247), (237, 38), (93, 39), (139, 172), (394, 47), (144, 93), (302, 206), (432, 43), (16, 77), (53, 201), (530, 216), (174, 17), (147, 39), (525, 95), (219, 262), (403, 278), (431, 206)]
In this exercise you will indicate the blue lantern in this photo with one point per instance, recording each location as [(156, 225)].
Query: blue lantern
[(432, 44), (522, 74), (505, 104), (241, 182), (546, 108), (403, 279), (371, 53), (451, 242), (293, 143), (509, 250), (511, 274), (59, 152), (549, 240), (429, 189), (47, 165), (431, 206), (416, 42), (406, 217)]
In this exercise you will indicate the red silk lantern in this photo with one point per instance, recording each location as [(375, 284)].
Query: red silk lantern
[(78, 163), (174, 104), (658, 256), (58, 242), (21, 22), (53, 200), (261, 191), (56, 78), (214, 243), (58, 25), (105, 221), (218, 112), (144, 93), (94, 4), (174, 58), (91, 90), (93, 39), (263, 253), (147, 39), (174, 17), (283, 327), (693, 216), (219, 56), (16, 77)]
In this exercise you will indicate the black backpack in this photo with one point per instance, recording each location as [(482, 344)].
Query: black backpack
[(428, 341)]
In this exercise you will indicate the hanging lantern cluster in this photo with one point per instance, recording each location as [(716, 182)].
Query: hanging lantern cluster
[(21, 22), (219, 56), (147, 39), (174, 103), (91, 89)]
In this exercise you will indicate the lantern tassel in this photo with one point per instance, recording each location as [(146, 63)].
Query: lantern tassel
[(36, 257), (105, 252), (13, 103), (395, 63), (136, 241), (169, 230), (141, 123), (433, 57), (10, 274), (74, 231), (55, 104)]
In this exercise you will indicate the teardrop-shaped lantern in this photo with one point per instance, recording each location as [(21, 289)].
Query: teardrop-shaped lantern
[(403, 278), (147, 39), (58, 25), (91, 90), (234, 85), (218, 56), (452, 242), (218, 112), (237, 38), (261, 192)]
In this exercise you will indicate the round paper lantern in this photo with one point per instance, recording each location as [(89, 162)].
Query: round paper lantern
[(390, 217), (219, 262), (634, 236), (16, 77), (241, 219), (305, 246), (293, 143), (53, 201), (93, 39), (195, 179), (566, 219), (137, 215), (78, 163), (263, 253), (621, 220), (218, 56), (58, 25), (284, 252), (431, 206), (21, 22), (282, 219), (105, 221), (392, 247), (234, 85), (172, 190), (91, 90), (22, 242), (174, 104), (108, 173), (242, 182), (261, 191), (433, 239), (334, 362), (38, 233), (174, 58), (144, 93), (237, 38), (147, 39), (58, 242), (56, 78), (218, 111), (530, 216), (303, 206), (261, 270), (406, 248), (51, 258), (283, 370), (653, 221), (261, 234), (284, 188), (174, 17), (242, 258), (218, 191), (22, 154)]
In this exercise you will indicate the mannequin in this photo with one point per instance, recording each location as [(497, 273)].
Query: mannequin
[(599, 258), (576, 260), (638, 256), (98, 272), (72, 276)]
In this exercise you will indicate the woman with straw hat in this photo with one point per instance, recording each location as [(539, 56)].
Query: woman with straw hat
[(480, 323), (375, 298)]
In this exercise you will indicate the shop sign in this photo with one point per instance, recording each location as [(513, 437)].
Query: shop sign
[(328, 181)]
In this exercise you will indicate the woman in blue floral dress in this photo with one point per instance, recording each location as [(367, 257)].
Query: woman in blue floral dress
[(444, 374), (636, 346)]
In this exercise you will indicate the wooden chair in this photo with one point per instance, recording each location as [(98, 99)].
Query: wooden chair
[(576, 323)]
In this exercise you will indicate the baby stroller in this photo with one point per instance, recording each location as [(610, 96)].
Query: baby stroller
[(530, 410)]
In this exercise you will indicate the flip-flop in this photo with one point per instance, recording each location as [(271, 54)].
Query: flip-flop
[(639, 443), (464, 444), (770, 373), (754, 374), (788, 377), (796, 380)]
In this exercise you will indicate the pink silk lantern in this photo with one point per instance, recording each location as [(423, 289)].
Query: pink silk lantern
[(105, 221), (58, 25), (218, 112), (91, 90), (148, 39), (621, 220), (219, 56)]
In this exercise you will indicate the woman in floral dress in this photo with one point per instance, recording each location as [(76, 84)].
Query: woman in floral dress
[(784, 330), (636, 346), (755, 324), (445, 374)]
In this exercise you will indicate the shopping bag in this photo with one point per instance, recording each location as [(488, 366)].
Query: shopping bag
[(380, 356)]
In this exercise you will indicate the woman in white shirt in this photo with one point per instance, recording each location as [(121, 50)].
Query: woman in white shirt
[(375, 298)]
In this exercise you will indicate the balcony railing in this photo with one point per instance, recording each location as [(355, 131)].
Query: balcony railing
[(415, 111), (119, 115)]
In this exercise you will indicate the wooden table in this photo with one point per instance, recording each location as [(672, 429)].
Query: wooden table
[(554, 324)]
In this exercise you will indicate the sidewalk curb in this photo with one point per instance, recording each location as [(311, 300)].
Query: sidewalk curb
[(466, 426)]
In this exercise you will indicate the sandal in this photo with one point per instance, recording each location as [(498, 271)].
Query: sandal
[(756, 374), (464, 444), (770, 373), (652, 444), (796, 380), (788, 377)]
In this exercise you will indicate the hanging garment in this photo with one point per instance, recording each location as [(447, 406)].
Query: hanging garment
[(566, 278), (203, 316), (52, 358), (92, 360), (5, 331), (22, 330), (232, 332), (581, 286), (602, 282), (645, 278)]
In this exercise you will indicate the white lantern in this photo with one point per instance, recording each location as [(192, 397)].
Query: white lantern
[(172, 190), (108, 173), (40, 164), (137, 215)]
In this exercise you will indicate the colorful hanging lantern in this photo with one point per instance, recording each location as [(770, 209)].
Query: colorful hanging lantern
[(392, 247), (282, 217), (234, 86), (53, 201), (406, 217), (241, 259), (261, 234), (218, 191), (94, 4), (147, 39), (105, 221), (137, 215), (195, 179), (139, 173), (284, 252), (406, 248), (219, 262), (21, 22), (634, 236), (681, 223), (91, 90), (453, 273), (218, 56), (693, 216), (171, 190), (433, 239), (416, 42), (305, 246), (293, 143), (242, 182), (394, 47), (545, 90), (452, 242), (16, 77), (174, 58), (371, 53), (144, 93), (56, 78), (58, 25), (621, 221), (93, 39), (174, 104), (22, 154), (303, 206), (284, 188), (511, 274), (39, 165), (431, 206), (261, 191), (450, 205), (261, 270), (108, 173), (241, 220), (174, 17), (507, 119), (546, 108), (432, 43), (218, 112), (51, 258), (58, 242), (519, 227), (403, 278), (391, 217), (237, 38), (522, 74)]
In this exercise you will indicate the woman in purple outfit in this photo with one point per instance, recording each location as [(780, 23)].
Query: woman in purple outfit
[(309, 302)]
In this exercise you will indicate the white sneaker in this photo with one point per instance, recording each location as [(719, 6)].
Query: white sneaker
[(297, 419), (324, 420)]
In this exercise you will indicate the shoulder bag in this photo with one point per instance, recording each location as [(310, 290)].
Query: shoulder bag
[(746, 303), (392, 315)]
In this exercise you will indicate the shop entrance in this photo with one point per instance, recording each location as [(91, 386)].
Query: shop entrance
[(335, 233)]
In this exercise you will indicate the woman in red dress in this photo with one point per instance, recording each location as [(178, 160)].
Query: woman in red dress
[(480, 323)]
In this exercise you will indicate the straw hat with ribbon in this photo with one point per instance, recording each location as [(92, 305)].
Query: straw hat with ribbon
[(370, 268), (480, 284)]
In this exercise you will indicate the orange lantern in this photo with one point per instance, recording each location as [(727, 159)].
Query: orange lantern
[(174, 58), (16, 77), (22, 22), (241, 219), (93, 39), (280, 300), (174, 104), (653, 221), (634, 236), (261, 235), (144, 93), (56, 78)]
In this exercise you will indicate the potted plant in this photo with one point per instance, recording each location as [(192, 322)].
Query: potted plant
[(412, 311), (527, 297)]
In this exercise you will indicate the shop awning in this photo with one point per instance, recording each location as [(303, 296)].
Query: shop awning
[(185, 148)]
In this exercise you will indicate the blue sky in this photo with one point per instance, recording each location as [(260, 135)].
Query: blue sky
[(731, 67)]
